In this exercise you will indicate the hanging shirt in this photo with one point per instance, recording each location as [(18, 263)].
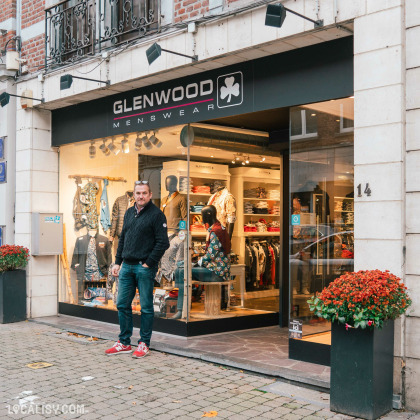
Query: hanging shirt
[(88, 200), (105, 216), (92, 272)]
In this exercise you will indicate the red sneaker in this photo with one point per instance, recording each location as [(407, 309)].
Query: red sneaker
[(118, 348), (142, 350)]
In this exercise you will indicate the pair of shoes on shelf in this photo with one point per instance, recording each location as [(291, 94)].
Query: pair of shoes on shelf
[(119, 348)]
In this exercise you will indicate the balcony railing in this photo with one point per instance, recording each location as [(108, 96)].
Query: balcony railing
[(75, 29)]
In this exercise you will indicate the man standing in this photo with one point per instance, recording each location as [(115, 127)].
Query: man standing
[(143, 242)]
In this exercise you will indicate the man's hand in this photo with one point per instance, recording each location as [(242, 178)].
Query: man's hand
[(115, 270), (145, 265)]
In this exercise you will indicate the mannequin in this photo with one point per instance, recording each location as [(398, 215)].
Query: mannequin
[(214, 266), (174, 206), (92, 256), (225, 204)]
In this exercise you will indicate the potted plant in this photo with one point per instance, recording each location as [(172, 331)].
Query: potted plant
[(361, 307), (13, 259)]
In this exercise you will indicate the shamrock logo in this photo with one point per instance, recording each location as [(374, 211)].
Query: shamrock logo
[(229, 89)]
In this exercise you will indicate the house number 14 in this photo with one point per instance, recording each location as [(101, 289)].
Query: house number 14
[(367, 190)]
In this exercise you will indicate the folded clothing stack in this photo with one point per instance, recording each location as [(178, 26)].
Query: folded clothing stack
[(273, 194), (196, 208), (251, 193), (250, 227), (260, 208), (201, 189), (273, 226), (183, 184), (275, 210), (248, 207), (197, 224), (261, 226)]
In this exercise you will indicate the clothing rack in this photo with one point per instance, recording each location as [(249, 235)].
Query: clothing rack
[(109, 178)]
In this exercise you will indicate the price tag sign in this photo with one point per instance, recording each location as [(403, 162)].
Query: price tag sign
[(295, 329)]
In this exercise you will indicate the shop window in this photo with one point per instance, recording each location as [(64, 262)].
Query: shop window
[(196, 280), (303, 124), (322, 207)]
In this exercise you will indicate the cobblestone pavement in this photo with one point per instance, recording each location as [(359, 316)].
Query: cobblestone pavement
[(84, 383)]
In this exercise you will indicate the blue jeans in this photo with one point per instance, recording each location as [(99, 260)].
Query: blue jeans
[(198, 273), (132, 276)]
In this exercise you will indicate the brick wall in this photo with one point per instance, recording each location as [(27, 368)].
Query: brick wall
[(189, 9), (32, 12), (33, 51), (7, 11)]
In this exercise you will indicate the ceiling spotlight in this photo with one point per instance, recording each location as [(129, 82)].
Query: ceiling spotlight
[(92, 150), (114, 149), (262, 158), (234, 161), (146, 142), (243, 163), (104, 148), (155, 141), (125, 146), (247, 160), (137, 144)]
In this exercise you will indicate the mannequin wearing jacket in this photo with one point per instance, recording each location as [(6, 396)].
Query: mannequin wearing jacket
[(82, 254), (118, 211), (174, 206)]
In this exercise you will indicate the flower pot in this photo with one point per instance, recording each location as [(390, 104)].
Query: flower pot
[(362, 370), (12, 296)]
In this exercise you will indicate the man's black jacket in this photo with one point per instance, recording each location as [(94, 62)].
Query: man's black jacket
[(144, 236)]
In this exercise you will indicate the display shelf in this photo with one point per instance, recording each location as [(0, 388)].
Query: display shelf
[(261, 214), (197, 194), (261, 199), (195, 234), (247, 234), (344, 198), (243, 179), (343, 211)]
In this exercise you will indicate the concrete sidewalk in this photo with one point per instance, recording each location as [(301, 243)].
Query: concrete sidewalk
[(82, 382)]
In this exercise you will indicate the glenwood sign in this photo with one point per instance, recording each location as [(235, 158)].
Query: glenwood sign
[(178, 102), (310, 74)]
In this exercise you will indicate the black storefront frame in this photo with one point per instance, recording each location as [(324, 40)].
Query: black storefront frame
[(307, 75)]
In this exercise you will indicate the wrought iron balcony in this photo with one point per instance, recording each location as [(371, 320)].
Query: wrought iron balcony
[(75, 29)]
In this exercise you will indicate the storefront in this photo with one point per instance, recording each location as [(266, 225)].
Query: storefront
[(268, 142)]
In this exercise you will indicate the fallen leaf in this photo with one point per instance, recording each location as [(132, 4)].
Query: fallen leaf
[(176, 401), (134, 403), (241, 371), (210, 414), (130, 387)]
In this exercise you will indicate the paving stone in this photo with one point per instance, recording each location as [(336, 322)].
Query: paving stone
[(165, 387), (303, 412)]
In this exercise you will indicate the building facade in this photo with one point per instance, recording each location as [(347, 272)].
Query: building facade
[(365, 139)]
